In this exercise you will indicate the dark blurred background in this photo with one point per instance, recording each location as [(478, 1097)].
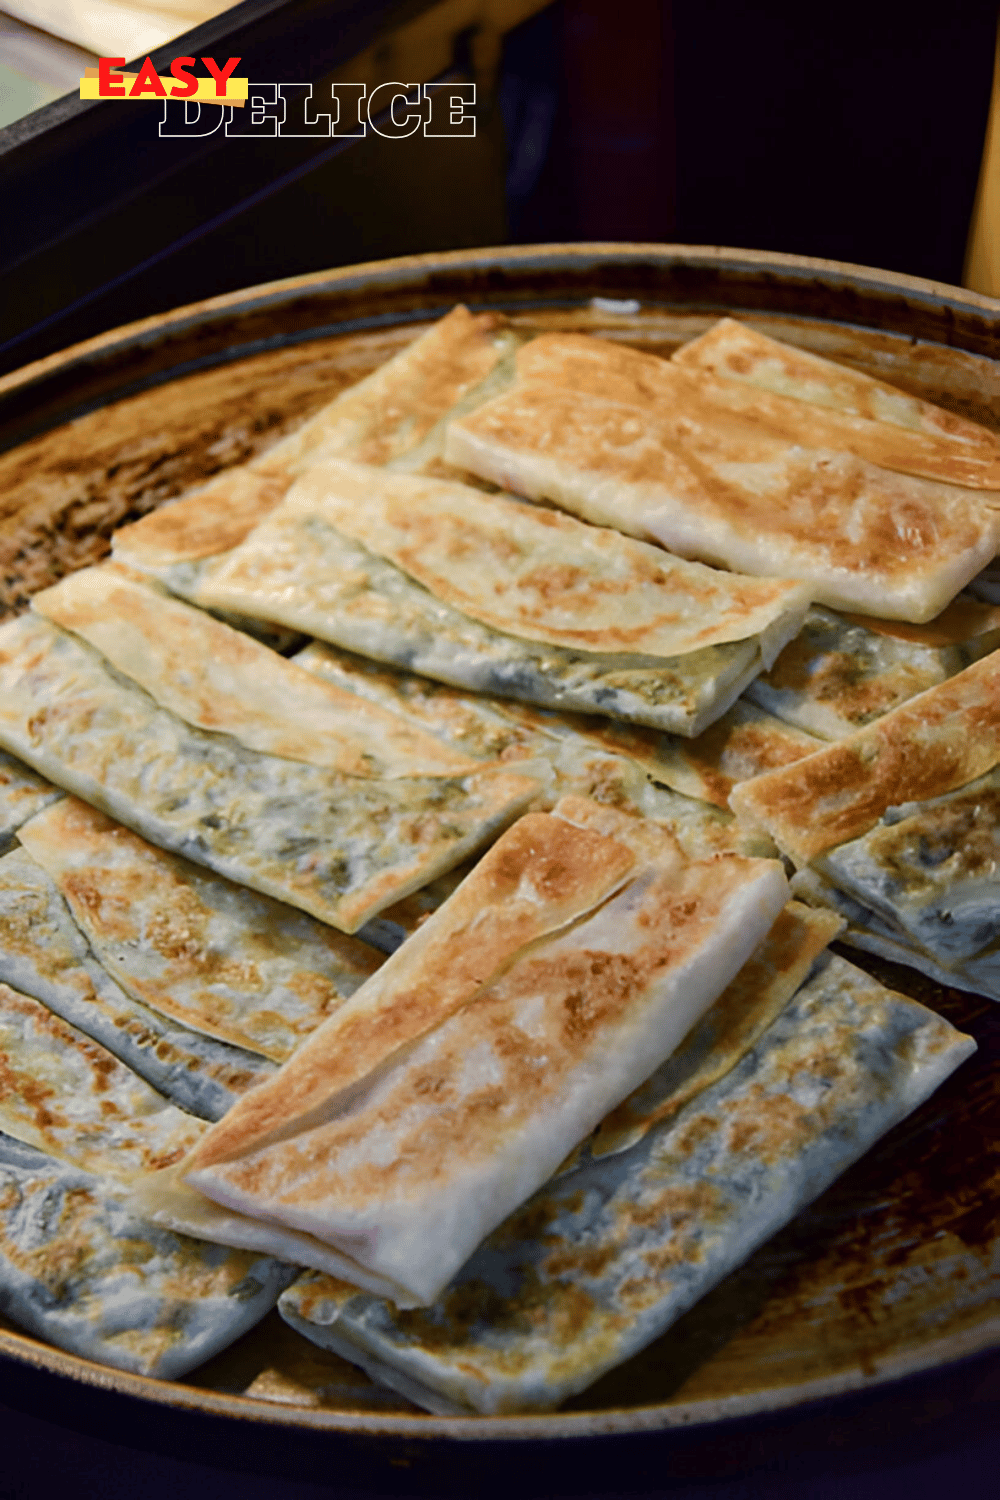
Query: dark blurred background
[(853, 132)]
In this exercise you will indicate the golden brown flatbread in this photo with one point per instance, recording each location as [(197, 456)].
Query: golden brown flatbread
[(872, 515), (935, 743)]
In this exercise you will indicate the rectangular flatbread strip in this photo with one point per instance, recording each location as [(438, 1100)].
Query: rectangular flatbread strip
[(597, 758), (842, 672), (870, 931), (601, 1262), (340, 847), (932, 869), (543, 576), (44, 954), (69, 1097), (542, 875), (626, 440), (396, 409), (81, 1271), (409, 1175), (216, 957), (215, 678), (937, 742), (299, 570), (733, 350)]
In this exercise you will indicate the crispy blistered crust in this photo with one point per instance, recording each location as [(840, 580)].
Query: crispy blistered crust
[(393, 409), (220, 679), (744, 1010), (619, 373), (205, 522), (540, 875), (734, 351), (540, 575), (937, 742), (716, 470)]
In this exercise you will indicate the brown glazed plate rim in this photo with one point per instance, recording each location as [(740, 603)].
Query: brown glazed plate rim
[(972, 323), (935, 1355)]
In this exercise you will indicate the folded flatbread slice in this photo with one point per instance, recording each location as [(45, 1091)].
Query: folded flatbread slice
[(936, 743), (69, 1097), (301, 569), (601, 1262), (598, 758), (216, 957), (932, 869), (408, 1173), (22, 793), (760, 483), (215, 678), (841, 672), (736, 351), (80, 1270), (396, 409), (44, 954), (542, 875), (340, 847), (543, 576), (872, 932)]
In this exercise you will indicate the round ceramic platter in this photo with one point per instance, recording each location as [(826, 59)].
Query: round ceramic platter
[(896, 1269)]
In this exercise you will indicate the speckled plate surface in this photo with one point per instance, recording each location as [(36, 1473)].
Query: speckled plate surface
[(896, 1269)]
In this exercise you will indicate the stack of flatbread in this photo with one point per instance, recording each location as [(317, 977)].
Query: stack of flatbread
[(590, 1062), (567, 965), (139, 997), (746, 454), (754, 1120), (897, 827)]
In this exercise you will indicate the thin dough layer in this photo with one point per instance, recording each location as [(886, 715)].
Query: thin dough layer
[(339, 847), (937, 742), (600, 1262), (470, 1079), (217, 957), (740, 478)]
